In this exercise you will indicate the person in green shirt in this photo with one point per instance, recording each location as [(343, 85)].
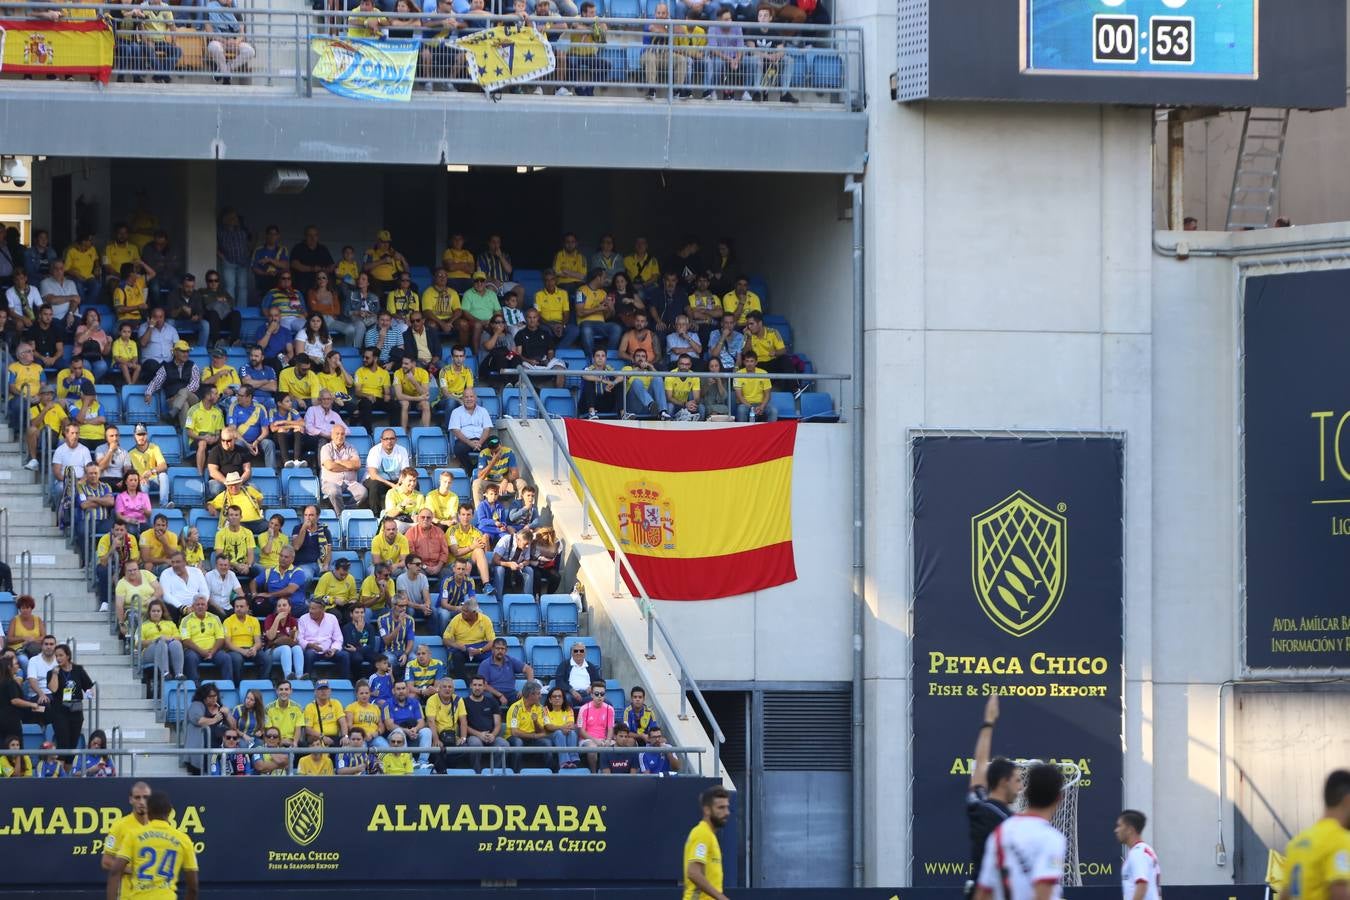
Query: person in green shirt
[(479, 303)]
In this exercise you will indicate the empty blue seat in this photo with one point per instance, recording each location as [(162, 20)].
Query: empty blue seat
[(784, 403), (437, 649), (268, 484), (544, 655), (109, 402), (135, 408), (493, 610), (177, 696), (522, 614), (299, 487), (559, 403), (168, 439), (361, 443), (818, 406), (430, 446), (488, 399), (532, 770), (511, 404), (358, 528), (560, 614), (185, 486), (827, 72)]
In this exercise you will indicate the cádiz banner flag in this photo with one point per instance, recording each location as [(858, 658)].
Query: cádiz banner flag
[(506, 55), (82, 47), (700, 514), (365, 69)]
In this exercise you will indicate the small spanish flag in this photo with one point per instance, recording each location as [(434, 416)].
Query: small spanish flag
[(82, 47), (700, 513)]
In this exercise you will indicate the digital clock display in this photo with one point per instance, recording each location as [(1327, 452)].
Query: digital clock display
[(1173, 38)]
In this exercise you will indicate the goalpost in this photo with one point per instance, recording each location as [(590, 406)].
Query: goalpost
[(1065, 818)]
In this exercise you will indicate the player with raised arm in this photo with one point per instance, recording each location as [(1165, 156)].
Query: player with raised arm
[(1024, 857), (1140, 877), (993, 788), (702, 852), (155, 856), (1317, 860)]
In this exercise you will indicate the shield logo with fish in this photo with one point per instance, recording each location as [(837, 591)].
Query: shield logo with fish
[(1019, 562)]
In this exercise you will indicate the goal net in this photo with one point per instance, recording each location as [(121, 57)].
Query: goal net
[(1065, 818)]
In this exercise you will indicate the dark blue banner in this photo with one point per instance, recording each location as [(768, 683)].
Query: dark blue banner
[(375, 830), (1018, 591), (1297, 453)]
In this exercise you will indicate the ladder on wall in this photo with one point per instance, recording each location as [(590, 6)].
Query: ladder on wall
[(1256, 175)]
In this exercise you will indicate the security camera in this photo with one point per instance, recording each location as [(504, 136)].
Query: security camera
[(19, 173)]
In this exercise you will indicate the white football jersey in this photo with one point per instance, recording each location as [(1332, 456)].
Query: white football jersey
[(1141, 865), (1022, 852)]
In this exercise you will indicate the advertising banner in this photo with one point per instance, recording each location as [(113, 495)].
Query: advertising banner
[(507, 54), (1018, 592), (364, 68), (700, 514), (56, 48), (370, 830), (1297, 470)]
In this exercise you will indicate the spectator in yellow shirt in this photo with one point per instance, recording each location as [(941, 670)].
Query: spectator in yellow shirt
[(389, 547), (767, 344), (741, 300), (243, 641), (752, 394), (569, 264), (468, 637)]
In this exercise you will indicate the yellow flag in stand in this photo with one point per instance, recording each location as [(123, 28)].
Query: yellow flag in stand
[(506, 55), (1275, 871)]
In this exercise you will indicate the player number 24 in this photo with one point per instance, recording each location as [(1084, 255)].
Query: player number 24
[(153, 865)]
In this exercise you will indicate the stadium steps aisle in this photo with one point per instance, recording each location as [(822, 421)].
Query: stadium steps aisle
[(76, 620)]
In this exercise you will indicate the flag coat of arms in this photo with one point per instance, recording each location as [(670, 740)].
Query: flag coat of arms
[(699, 513), (80, 47)]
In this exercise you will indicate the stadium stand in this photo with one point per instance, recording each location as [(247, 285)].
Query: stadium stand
[(266, 525)]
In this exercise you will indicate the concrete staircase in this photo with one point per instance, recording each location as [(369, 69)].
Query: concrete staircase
[(75, 619)]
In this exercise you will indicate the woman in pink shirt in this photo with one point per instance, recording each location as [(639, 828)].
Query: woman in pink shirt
[(595, 721), (132, 506), (281, 634)]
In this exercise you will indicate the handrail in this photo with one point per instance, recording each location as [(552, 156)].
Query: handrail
[(110, 584), (687, 683), (4, 536), (824, 59), (48, 611), (25, 560)]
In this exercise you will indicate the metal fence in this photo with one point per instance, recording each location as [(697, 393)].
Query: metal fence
[(615, 56)]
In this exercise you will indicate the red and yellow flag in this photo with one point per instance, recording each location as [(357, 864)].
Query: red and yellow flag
[(82, 47), (700, 513)]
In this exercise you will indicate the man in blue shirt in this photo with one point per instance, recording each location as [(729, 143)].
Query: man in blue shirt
[(637, 716), (406, 711), (274, 338), (250, 420), (257, 374), (657, 762), (396, 630), (286, 580), (313, 543), (490, 516), (500, 672)]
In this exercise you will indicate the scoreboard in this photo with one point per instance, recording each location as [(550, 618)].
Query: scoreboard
[(1159, 53), (1171, 38)]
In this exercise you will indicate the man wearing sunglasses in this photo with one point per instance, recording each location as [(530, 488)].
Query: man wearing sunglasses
[(576, 675), (235, 761)]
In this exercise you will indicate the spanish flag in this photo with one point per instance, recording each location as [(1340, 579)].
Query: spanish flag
[(700, 513), (82, 47)]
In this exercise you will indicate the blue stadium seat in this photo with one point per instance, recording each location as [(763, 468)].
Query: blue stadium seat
[(185, 486), (302, 692), (522, 614), (759, 286), (289, 518), (358, 528), (206, 524), (298, 487), (530, 770), (430, 446), (784, 403), (544, 655), (109, 402), (168, 439), (827, 72), (514, 648), (236, 356), (267, 484), (135, 408), (488, 399), (177, 522), (361, 443), (560, 614), (566, 353), (459, 483), (592, 650), (493, 610), (559, 403), (580, 770), (343, 691), (511, 405), (33, 736), (329, 518), (437, 649), (818, 406), (229, 697), (781, 325), (177, 696)]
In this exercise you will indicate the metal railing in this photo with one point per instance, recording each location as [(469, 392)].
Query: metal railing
[(496, 757), (274, 49), (621, 563), (25, 562)]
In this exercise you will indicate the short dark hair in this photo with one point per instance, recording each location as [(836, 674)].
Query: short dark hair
[(1000, 770), (1336, 788), (639, 689), (1134, 818), (1044, 784), (716, 792), (157, 806)]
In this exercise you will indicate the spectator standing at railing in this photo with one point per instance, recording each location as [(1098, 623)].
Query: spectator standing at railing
[(69, 685), (366, 20), (232, 252), (38, 260), (268, 261)]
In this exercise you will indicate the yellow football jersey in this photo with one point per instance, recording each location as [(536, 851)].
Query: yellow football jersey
[(157, 854), (702, 846), (1317, 857)]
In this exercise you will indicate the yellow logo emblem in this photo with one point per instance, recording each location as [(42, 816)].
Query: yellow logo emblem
[(304, 816), (646, 517), (1019, 563)]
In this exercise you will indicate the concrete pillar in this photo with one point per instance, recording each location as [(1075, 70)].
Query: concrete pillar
[(199, 198)]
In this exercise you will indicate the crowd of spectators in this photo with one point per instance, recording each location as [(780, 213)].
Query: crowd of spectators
[(732, 50)]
